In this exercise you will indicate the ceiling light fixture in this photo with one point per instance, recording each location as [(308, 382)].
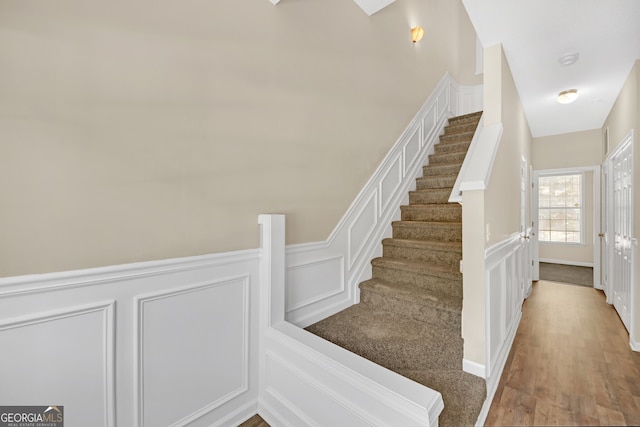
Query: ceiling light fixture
[(569, 58), (416, 33), (567, 96)]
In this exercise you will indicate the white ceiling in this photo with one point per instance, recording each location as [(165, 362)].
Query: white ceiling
[(534, 34)]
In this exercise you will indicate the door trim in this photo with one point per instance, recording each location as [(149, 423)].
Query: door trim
[(596, 217)]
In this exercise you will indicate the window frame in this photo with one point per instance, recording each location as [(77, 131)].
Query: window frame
[(568, 172)]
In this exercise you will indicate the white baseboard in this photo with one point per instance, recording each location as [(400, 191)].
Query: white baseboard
[(474, 368), (559, 261), (635, 345)]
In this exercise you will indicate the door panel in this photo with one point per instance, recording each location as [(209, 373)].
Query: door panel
[(620, 268)]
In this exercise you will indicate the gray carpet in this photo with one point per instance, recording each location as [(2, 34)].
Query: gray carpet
[(571, 274)]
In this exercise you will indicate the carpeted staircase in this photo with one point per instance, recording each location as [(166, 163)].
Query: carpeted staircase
[(409, 316)]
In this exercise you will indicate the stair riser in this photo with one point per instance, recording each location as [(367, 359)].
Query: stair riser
[(448, 158), (450, 148), (433, 182), (447, 320), (425, 197), (460, 128), (431, 170), (456, 138), (428, 231), (456, 121), (449, 258), (446, 213), (436, 285)]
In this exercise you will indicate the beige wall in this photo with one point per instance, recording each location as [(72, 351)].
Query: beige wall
[(159, 129), (499, 204), (568, 150), (624, 117), (502, 197)]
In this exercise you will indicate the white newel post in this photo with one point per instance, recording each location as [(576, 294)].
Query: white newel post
[(272, 270)]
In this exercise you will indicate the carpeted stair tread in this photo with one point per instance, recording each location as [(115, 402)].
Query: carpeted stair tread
[(429, 195), (429, 251), (436, 181), (465, 118), (445, 272), (460, 128), (446, 158), (436, 309), (390, 340), (463, 393), (444, 169), (452, 147), (433, 245), (451, 212), (455, 138), (429, 230)]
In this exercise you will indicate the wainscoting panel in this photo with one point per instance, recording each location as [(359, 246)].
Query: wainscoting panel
[(390, 183), (507, 283), (314, 281), (63, 357), (145, 344), (207, 322), (362, 228)]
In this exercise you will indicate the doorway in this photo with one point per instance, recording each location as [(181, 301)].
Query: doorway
[(566, 219)]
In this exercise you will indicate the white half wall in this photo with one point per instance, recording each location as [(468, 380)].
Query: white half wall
[(176, 339), (507, 284)]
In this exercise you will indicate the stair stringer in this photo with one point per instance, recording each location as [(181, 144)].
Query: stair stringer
[(323, 277)]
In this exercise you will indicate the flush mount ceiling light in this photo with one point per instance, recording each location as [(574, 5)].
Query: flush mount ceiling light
[(567, 96), (416, 33), (569, 58)]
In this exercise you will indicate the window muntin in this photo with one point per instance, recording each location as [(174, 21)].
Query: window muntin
[(560, 208)]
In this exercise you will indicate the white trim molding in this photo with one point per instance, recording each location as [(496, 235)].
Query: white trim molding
[(478, 163)]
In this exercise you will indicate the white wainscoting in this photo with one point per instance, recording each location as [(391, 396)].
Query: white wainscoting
[(507, 284), (176, 339), (305, 380), (323, 277)]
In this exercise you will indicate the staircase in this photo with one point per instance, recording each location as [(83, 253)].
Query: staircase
[(409, 316)]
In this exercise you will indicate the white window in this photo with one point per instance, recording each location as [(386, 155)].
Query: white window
[(560, 208)]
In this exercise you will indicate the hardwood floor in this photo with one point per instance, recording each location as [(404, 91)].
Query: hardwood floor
[(570, 363), (255, 421)]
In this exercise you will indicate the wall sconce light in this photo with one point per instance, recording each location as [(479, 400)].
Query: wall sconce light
[(416, 33), (567, 96)]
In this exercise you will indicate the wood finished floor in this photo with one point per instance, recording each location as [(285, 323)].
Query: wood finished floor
[(570, 364), (255, 421)]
